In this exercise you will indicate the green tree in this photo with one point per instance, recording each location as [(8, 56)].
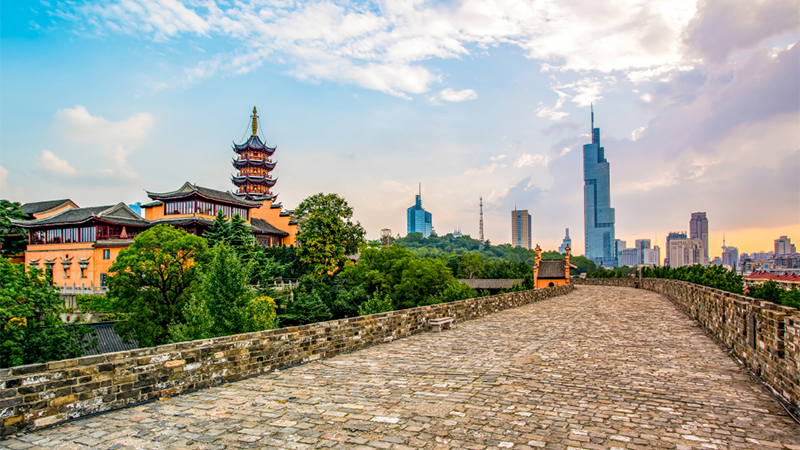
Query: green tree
[(584, 264), (241, 237), (220, 230), (224, 304), (769, 291), (152, 280), (470, 266), (326, 235), (375, 305), (306, 308), (13, 239), (30, 328)]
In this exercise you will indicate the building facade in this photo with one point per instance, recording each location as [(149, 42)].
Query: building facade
[(419, 220), (521, 228), (598, 215), (629, 257), (672, 235), (784, 246), (642, 245), (567, 242), (686, 252), (698, 229), (730, 257)]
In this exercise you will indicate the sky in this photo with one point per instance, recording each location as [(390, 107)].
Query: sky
[(697, 102)]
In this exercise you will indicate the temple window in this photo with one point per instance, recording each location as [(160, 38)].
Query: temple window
[(106, 254)]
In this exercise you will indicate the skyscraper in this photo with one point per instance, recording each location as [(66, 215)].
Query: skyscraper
[(419, 220), (672, 235), (598, 215), (783, 246), (698, 229), (567, 242), (520, 228), (642, 245)]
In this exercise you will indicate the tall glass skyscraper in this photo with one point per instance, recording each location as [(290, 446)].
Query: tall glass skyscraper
[(521, 228), (419, 220), (598, 215)]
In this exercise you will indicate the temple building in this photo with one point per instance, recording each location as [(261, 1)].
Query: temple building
[(253, 163), (551, 272), (79, 245), (194, 208)]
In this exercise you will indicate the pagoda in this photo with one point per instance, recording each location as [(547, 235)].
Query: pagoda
[(253, 180)]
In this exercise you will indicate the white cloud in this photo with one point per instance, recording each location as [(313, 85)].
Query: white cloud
[(3, 177), (381, 46), (53, 165), (450, 95), (637, 133), (531, 160), (498, 157), (485, 169), (117, 139)]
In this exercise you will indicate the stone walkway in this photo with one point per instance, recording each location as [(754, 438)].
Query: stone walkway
[(600, 368)]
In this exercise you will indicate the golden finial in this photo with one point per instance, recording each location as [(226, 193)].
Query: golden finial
[(255, 122)]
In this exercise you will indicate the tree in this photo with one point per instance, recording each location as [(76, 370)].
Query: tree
[(325, 233), (306, 308), (152, 280), (470, 266), (241, 238), (584, 264), (13, 239), (224, 304), (220, 230), (30, 328)]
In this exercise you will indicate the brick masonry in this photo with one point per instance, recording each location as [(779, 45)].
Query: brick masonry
[(763, 335), (39, 395)]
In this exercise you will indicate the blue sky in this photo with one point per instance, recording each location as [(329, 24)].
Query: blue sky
[(697, 103)]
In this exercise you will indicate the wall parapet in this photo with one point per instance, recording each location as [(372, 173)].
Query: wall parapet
[(38, 395), (764, 336)]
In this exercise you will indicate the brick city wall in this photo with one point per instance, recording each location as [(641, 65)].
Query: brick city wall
[(763, 335), (37, 395)]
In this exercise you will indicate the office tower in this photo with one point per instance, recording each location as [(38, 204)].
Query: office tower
[(698, 229), (629, 257), (598, 215), (685, 252), (520, 228), (784, 246), (419, 220), (730, 257), (642, 245), (567, 242), (619, 245), (672, 235)]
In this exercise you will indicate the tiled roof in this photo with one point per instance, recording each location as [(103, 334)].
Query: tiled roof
[(180, 221), (119, 214), (488, 283), (264, 227), (107, 340), (551, 268), (189, 189), (37, 207), (152, 204), (766, 276)]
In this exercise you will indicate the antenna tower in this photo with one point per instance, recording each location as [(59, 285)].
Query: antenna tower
[(480, 229)]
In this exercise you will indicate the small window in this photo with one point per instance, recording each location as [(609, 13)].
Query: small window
[(83, 272), (66, 271), (106, 254), (102, 280)]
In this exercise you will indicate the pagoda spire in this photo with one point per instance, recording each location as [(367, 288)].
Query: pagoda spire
[(255, 122)]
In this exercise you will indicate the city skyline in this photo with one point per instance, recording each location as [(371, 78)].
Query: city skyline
[(103, 100)]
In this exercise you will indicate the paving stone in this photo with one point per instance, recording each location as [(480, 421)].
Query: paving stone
[(599, 368)]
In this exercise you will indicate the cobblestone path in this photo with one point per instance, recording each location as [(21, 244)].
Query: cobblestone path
[(599, 368)]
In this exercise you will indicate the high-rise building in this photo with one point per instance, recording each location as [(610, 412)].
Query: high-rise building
[(598, 215), (619, 245), (656, 256), (567, 242), (730, 257), (698, 229), (629, 257), (419, 220), (642, 245), (685, 252), (784, 246), (521, 228), (672, 235)]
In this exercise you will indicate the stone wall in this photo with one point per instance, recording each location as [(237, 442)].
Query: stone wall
[(37, 395), (763, 335)]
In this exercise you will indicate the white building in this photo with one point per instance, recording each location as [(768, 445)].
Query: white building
[(686, 252)]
